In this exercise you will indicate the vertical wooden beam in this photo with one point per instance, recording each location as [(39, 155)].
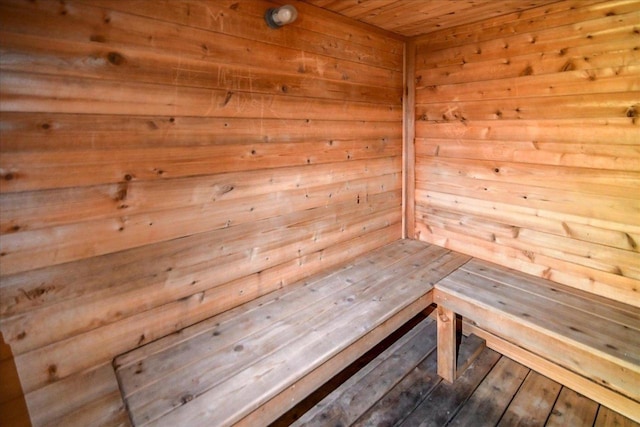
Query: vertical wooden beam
[(13, 406), (408, 138), (446, 344)]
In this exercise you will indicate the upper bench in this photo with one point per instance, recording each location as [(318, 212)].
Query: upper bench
[(251, 364), (594, 337)]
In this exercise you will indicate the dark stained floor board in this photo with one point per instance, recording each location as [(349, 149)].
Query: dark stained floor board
[(607, 418), (572, 409), (493, 395), (402, 399), (446, 399), (495, 390), (533, 402), (345, 405)]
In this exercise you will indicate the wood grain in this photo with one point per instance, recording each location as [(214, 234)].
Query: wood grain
[(275, 330), (556, 328), (162, 162), (552, 89)]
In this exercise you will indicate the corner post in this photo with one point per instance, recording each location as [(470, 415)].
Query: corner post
[(408, 141)]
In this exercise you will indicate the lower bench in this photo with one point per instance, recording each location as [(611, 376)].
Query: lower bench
[(589, 343), (253, 363)]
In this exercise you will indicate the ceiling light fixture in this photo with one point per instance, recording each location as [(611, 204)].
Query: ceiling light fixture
[(277, 17)]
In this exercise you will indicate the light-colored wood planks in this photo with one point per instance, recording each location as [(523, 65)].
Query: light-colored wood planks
[(527, 148), (414, 18), (251, 354), (162, 162), (596, 338)]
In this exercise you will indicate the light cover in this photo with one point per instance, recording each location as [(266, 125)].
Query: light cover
[(277, 17)]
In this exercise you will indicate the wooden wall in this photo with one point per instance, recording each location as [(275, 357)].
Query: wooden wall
[(166, 160), (528, 143)]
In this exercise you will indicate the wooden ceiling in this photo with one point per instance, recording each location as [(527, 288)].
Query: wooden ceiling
[(416, 17)]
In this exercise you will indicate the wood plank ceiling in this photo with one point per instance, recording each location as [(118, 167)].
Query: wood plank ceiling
[(416, 17)]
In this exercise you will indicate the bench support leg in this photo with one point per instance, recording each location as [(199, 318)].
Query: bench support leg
[(447, 344)]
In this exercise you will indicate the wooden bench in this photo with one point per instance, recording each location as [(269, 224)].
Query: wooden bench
[(252, 363), (588, 343)]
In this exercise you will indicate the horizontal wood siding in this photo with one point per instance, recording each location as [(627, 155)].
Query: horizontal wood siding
[(528, 143), (164, 161)]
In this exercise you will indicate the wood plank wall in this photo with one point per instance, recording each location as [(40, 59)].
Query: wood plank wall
[(528, 143), (163, 161)]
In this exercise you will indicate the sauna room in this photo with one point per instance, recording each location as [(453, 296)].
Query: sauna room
[(319, 212)]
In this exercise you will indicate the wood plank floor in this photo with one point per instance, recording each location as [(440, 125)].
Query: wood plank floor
[(396, 385)]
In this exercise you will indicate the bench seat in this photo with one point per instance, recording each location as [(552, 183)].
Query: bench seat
[(596, 338), (253, 363)]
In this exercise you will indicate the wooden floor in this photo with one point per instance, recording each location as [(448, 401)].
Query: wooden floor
[(396, 384)]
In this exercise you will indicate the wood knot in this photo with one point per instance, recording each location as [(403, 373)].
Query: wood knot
[(115, 58), (527, 71), (227, 98), (121, 194), (52, 370), (36, 293), (443, 316), (568, 66)]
